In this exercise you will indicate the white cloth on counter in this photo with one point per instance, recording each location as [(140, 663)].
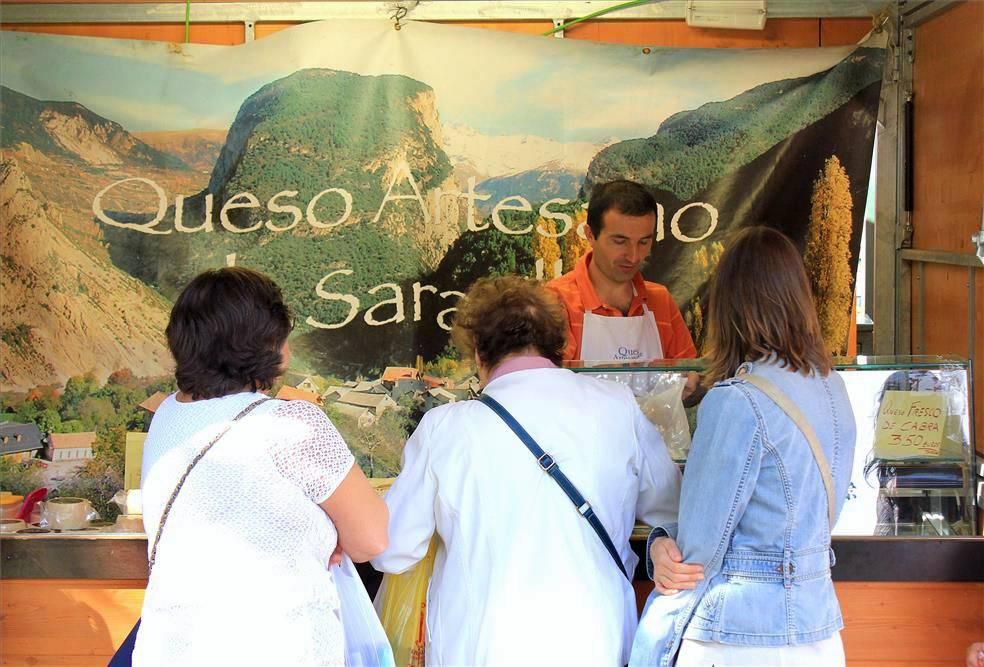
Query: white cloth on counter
[(241, 576), (521, 578)]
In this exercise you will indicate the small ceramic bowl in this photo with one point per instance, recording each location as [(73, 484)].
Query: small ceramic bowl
[(12, 525)]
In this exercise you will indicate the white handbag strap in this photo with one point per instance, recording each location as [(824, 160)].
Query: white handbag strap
[(790, 408)]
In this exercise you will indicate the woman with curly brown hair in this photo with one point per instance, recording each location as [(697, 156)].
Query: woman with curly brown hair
[(520, 577)]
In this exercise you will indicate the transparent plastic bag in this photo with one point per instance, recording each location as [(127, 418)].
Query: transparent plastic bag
[(67, 513), (366, 645), (402, 606), (662, 403)]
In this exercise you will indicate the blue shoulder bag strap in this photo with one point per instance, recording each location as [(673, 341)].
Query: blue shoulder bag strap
[(549, 466)]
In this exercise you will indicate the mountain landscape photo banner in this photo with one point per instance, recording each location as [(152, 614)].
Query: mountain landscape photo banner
[(375, 174)]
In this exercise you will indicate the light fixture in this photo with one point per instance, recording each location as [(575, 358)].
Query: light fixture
[(727, 14)]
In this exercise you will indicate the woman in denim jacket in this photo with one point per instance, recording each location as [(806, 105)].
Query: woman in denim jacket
[(750, 582)]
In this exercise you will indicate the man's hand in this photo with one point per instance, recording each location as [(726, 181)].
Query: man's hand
[(336, 556), (975, 655), (693, 380), (670, 573)]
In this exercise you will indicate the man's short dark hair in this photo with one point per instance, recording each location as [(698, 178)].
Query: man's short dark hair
[(499, 316), (226, 332), (626, 197)]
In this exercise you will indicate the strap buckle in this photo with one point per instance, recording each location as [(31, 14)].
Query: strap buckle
[(546, 462)]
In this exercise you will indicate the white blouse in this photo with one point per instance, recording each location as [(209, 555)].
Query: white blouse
[(241, 576), (521, 578)]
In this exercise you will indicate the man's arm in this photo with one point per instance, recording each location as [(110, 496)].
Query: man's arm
[(673, 332), (681, 344)]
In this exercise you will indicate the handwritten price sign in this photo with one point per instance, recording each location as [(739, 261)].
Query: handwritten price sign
[(910, 424)]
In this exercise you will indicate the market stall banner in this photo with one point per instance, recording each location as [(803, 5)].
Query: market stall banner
[(375, 174)]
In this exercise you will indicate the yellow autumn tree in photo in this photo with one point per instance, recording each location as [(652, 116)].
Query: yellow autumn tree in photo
[(694, 319), (546, 247), (707, 257), (828, 253), (574, 246)]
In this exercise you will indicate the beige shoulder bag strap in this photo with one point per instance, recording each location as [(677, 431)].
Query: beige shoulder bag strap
[(790, 408)]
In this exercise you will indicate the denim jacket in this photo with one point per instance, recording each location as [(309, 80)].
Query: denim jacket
[(753, 512)]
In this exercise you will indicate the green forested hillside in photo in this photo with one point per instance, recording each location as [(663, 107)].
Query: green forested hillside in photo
[(317, 129), (298, 263), (490, 252), (299, 136), (692, 149)]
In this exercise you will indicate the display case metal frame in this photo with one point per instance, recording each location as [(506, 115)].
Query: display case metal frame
[(939, 493)]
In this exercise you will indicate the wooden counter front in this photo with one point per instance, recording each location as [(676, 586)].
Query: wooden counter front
[(78, 623), (60, 608)]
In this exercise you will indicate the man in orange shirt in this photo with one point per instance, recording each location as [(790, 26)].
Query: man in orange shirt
[(612, 313)]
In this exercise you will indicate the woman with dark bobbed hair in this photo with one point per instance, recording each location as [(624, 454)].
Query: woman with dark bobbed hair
[(747, 581), (520, 576), (245, 498)]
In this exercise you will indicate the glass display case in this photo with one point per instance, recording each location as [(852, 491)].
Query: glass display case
[(910, 515), (914, 458)]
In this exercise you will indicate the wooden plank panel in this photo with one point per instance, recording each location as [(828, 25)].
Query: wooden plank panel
[(946, 309), (901, 623), (521, 27), (948, 164), (948, 80), (113, 2), (843, 32), (948, 106), (777, 34), (946, 325), (79, 623), (261, 30), (907, 663), (54, 660), (66, 620), (215, 33)]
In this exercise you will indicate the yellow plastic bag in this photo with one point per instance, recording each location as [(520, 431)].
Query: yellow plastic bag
[(402, 607)]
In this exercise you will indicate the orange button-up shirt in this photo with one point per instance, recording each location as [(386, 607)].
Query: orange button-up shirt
[(578, 295)]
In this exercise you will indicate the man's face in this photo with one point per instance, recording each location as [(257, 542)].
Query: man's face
[(623, 244)]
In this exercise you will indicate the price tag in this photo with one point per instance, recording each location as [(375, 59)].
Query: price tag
[(910, 424)]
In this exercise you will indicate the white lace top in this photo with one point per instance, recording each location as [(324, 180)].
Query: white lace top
[(241, 576)]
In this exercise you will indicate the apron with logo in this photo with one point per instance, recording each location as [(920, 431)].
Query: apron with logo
[(620, 338)]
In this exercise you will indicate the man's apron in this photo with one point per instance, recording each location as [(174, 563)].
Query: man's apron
[(620, 338)]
